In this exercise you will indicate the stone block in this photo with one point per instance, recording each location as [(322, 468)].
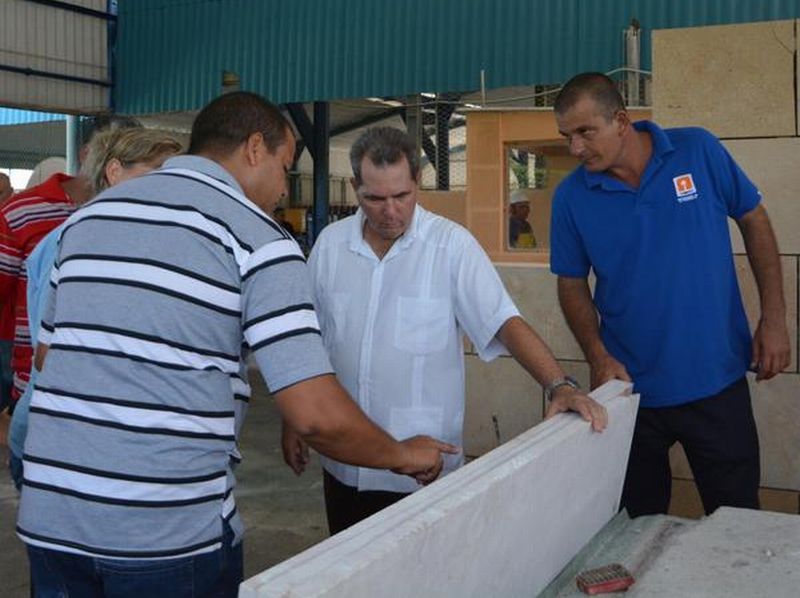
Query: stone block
[(503, 525), (503, 391), (534, 290), (733, 552), (777, 411), (772, 165), (779, 501), (747, 285), (735, 80)]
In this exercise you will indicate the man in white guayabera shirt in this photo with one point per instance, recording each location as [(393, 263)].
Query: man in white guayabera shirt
[(157, 284), (396, 287)]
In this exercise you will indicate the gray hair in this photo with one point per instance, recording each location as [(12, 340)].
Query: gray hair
[(384, 146)]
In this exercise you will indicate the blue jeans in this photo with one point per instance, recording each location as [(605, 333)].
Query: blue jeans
[(62, 574)]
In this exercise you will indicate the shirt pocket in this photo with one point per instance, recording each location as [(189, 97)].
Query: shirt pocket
[(423, 325), (334, 323)]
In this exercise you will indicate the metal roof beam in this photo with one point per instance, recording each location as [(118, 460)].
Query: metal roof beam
[(304, 126), (321, 143), (429, 148), (76, 8), (427, 145), (367, 120)]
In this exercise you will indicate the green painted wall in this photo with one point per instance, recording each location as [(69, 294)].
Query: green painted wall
[(171, 53)]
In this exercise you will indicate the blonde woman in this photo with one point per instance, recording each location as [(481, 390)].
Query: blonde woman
[(114, 155), (117, 155)]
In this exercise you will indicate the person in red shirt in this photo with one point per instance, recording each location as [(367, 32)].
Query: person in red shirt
[(24, 220), (6, 318)]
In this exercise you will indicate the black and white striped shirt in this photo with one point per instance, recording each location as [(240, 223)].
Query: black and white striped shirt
[(158, 284)]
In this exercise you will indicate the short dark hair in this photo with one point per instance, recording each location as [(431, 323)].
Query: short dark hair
[(228, 121), (597, 86), (384, 146)]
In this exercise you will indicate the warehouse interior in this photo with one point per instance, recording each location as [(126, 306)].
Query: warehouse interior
[(473, 83)]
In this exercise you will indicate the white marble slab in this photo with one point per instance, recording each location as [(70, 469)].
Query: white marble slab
[(504, 525), (733, 552)]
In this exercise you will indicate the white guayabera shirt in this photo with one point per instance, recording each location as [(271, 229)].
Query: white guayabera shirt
[(394, 328)]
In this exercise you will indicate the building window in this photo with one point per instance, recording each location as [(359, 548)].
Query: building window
[(532, 175)]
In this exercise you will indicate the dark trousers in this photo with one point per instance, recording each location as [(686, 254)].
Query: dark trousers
[(719, 437), (346, 506), (214, 574)]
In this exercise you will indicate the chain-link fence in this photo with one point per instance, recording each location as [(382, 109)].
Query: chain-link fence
[(26, 139), (444, 144)]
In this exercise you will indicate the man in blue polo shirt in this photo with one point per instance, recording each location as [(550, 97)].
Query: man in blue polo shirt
[(647, 211)]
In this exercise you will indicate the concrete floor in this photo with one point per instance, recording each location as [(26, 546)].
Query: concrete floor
[(283, 514)]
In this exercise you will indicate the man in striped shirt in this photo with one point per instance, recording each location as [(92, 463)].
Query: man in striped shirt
[(158, 283)]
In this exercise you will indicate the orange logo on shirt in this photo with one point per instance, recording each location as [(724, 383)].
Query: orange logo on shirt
[(684, 187)]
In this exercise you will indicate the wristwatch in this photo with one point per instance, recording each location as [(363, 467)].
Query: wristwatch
[(558, 383)]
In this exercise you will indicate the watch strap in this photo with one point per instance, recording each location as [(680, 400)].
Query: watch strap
[(558, 383)]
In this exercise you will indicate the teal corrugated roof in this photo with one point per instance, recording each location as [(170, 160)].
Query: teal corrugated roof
[(171, 53), (13, 116)]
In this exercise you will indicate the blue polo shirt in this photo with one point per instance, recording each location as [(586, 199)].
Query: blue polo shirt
[(667, 294)]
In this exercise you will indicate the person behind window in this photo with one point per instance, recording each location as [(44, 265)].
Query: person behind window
[(520, 233)]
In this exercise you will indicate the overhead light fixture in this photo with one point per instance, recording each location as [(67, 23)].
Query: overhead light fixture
[(230, 81)]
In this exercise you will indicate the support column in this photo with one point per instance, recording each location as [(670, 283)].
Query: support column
[(295, 191), (444, 110), (413, 119), (321, 169), (73, 144)]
